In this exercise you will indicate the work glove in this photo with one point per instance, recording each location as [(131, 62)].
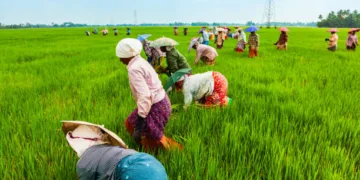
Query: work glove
[(139, 126)]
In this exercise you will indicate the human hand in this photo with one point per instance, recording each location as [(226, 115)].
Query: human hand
[(139, 126), (137, 136)]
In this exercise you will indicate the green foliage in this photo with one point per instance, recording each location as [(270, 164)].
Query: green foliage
[(342, 19), (295, 113)]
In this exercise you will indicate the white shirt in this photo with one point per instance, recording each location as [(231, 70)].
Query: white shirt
[(242, 36), (198, 86)]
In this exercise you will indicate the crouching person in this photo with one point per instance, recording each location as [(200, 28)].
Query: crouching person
[(103, 155)]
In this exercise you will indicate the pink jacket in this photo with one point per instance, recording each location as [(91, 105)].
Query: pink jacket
[(352, 39), (145, 85), (205, 50)]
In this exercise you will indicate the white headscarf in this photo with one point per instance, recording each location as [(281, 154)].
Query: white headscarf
[(128, 47)]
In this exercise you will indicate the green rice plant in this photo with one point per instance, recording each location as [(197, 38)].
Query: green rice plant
[(295, 113)]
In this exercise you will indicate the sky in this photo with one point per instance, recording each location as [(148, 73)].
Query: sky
[(164, 11)]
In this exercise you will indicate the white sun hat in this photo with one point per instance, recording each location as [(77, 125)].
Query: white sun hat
[(164, 41), (82, 135)]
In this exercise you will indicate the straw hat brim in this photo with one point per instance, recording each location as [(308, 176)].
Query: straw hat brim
[(115, 140)]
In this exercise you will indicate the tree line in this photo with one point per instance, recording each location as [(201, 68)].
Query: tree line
[(29, 25), (71, 24), (341, 19), (279, 24)]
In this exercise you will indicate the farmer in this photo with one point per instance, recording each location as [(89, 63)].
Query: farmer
[(185, 31), (211, 35), (174, 59), (333, 40), (87, 33), (95, 31), (352, 40), (236, 34), (283, 39), (116, 31), (207, 89), (240, 47), (205, 36), (254, 42), (147, 122), (220, 38), (154, 54), (103, 155), (228, 32), (128, 31), (204, 52), (176, 31), (215, 31), (105, 32)]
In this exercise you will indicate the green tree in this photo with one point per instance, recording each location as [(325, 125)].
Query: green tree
[(320, 17), (343, 18)]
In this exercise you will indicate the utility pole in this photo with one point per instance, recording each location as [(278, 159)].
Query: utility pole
[(135, 18), (269, 13)]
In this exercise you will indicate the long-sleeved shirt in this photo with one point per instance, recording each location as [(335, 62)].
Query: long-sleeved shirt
[(206, 36), (153, 52), (198, 86), (145, 85), (99, 162), (352, 39), (220, 38), (205, 50), (333, 41), (254, 40), (283, 38), (147, 48), (242, 36), (175, 61)]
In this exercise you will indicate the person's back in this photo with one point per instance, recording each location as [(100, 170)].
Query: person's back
[(138, 66), (100, 161), (176, 61), (206, 50), (103, 155), (283, 38), (253, 40), (350, 43)]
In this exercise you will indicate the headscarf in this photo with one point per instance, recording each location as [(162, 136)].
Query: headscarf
[(128, 47)]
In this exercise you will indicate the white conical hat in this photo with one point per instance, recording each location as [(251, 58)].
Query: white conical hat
[(70, 126)]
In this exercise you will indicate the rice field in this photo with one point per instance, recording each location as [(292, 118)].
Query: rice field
[(295, 114)]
